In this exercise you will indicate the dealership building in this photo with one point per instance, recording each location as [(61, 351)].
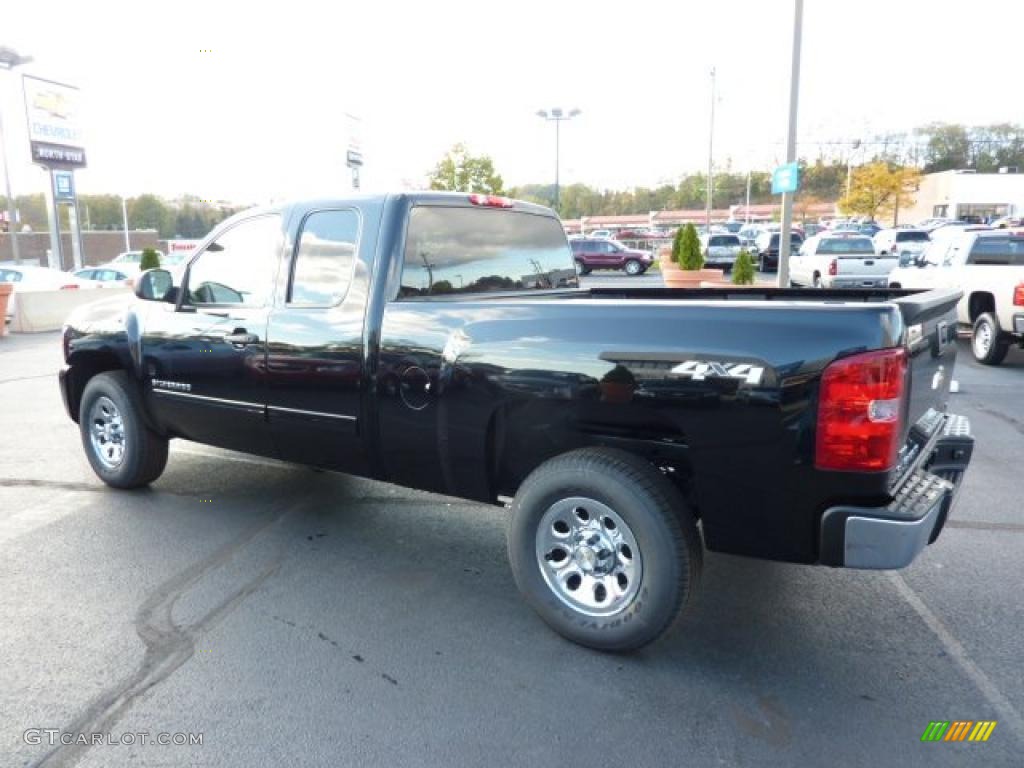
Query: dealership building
[(966, 194)]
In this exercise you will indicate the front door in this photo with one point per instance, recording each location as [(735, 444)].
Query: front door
[(205, 357), (315, 347)]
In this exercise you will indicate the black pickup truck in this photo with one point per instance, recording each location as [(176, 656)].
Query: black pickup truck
[(441, 341)]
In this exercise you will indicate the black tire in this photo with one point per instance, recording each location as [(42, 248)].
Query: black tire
[(817, 282), (761, 266), (655, 515), (895, 286), (988, 343), (584, 270), (633, 268), (144, 453)]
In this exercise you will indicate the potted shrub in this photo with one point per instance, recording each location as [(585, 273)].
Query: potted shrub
[(150, 260), (743, 269), (691, 262)]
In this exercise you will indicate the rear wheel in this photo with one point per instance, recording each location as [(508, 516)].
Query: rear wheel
[(122, 450), (633, 267), (584, 270), (604, 548), (987, 343)]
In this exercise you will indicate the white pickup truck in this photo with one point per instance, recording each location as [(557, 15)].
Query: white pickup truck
[(832, 260), (988, 267)]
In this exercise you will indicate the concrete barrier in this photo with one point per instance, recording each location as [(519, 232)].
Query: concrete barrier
[(37, 311)]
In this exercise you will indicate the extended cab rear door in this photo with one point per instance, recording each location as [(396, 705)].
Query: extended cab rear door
[(315, 362)]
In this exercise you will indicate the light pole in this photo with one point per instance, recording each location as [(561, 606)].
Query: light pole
[(711, 145), (557, 116), (849, 166), (9, 59), (794, 94), (124, 218)]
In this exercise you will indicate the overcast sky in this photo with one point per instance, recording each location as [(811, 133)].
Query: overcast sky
[(262, 115)]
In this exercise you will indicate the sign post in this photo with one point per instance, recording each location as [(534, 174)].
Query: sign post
[(55, 140)]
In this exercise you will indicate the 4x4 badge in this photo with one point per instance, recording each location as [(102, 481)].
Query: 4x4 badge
[(699, 370)]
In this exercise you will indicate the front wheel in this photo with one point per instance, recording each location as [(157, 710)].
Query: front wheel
[(633, 267), (987, 344), (604, 548), (122, 450)]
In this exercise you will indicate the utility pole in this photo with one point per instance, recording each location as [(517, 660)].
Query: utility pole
[(124, 216), (711, 146), (794, 94), (747, 217), (9, 59), (557, 116)]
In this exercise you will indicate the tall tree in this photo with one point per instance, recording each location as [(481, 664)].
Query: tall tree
[(877, 189), (461, 171)]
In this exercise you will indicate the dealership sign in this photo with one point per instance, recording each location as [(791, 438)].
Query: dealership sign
[(54, 127)]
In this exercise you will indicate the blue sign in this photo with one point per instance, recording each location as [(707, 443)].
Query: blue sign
[(63, 185), (785, 178)]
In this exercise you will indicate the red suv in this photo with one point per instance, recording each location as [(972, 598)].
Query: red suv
[(595, 253)]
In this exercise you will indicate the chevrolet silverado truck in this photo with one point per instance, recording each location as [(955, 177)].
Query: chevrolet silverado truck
[(440, 341), (988, 267), (840, 260)]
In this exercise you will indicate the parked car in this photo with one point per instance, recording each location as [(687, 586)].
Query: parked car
[(600, 233), (748, 235), (720, 250), (129, 261), (102, 275), (28, 278), (733, 226), (840, 261), (591, 254), (906, 244), (869, 228), (988, 266), (766, 249), (403, 338)]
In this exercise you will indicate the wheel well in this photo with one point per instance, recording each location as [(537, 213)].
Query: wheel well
[(84, 367), (979, 303), (895, 286)]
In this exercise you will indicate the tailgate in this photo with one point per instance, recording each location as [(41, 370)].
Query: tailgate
[(930, 319), (865, 264)]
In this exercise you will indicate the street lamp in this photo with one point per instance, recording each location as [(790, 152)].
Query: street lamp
[(557, 116), (711, 144), (9, 59)]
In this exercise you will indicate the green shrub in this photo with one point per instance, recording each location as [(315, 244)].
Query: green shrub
[(150, 260), (743, 269), (690, 256), (677, 244)]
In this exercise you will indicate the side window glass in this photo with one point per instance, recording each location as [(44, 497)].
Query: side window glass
[(239, 266), (324, 258)]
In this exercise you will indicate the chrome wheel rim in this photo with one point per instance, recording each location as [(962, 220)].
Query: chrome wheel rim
[(106, 432), (632, 268), (982, 340), (588, 556)]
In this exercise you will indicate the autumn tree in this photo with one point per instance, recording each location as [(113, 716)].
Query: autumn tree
[(877, 189), (461, 171)]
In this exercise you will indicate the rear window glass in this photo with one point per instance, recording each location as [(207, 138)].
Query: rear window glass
[(997, 251), (725, 240), (846, 245), (912, 237), (9, 276), (480, 250)]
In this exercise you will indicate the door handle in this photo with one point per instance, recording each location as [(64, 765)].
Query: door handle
[(241, 337)]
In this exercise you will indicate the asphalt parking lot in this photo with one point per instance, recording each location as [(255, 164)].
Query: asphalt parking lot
[(303, 619)]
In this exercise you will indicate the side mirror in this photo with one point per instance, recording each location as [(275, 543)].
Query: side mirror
[(154, 285)]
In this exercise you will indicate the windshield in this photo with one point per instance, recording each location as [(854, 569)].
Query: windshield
[(845, 245), (477, 250), (912, 237)]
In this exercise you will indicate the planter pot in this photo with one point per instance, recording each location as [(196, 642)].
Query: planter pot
[(6, 289), (692, 278)]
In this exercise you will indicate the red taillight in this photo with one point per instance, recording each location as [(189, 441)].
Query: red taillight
[(68, 287), (491, 201), (833, 267), (1018, 295), (860, 412)]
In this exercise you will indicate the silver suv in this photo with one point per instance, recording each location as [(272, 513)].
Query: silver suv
[(720, 250)]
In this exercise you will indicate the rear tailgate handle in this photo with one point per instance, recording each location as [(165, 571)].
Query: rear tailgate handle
[(869, 263)]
